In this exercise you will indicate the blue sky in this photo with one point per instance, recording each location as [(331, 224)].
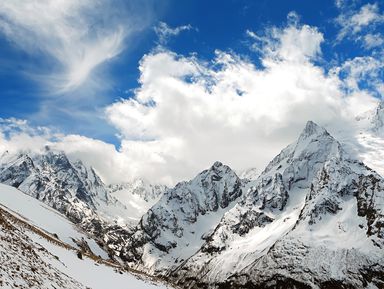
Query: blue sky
[(71, 67)]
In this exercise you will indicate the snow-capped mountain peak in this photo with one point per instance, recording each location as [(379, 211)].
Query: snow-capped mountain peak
[(249, 174), (175, 226), (313, 147), (142, 188), (364, 139), (311, 129), (312, 200)]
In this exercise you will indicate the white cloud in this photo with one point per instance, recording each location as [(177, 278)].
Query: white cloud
[(164, 32), (293, 43), (352, 22), (361, 73), (110, 164), (293, 18), (17, 135), (339, 3), (77, 35), (373, 40), (186, 113)]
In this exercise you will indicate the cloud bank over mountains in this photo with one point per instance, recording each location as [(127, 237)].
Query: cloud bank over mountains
[(187, 112)]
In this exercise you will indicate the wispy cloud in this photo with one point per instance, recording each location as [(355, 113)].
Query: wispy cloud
[(165, 32), (361, 73), (360, 24), (77, 36)]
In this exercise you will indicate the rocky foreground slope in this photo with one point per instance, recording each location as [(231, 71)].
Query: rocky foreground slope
[(25, 264), (39, 248)]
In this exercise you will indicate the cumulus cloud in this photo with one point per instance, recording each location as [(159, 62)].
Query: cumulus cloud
[(187, 113), (165, 32), (78, 36)]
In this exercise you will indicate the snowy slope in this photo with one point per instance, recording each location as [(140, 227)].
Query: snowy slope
[(41, 215), (370, 138), (249, 174), (32, 256), (314, 218), (24, 264)]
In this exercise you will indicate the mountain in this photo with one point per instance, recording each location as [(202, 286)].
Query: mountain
[(69, 187), (313, 219), (137, 196), (174, 228), (39, 248), (138, 187), (73, 189)]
